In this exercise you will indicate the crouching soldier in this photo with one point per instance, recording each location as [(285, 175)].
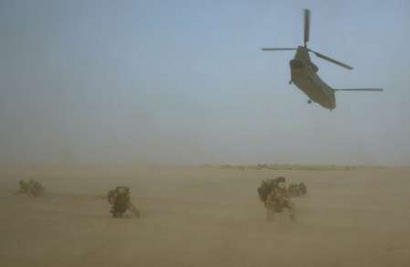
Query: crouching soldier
[(31, 188), (119, 198), (278, 199)]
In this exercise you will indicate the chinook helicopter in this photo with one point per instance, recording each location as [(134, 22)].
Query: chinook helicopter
[(304, 72)]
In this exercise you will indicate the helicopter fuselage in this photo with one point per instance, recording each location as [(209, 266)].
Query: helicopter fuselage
[(304, 76)]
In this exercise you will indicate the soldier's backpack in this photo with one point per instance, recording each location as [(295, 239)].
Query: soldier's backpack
[(266, 187)]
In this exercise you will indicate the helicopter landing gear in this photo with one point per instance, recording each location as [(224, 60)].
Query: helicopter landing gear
[(309, 101)]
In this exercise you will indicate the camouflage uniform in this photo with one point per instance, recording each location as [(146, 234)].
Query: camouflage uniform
[(31, 188), (266, 187), (277, 200), (119, 198)]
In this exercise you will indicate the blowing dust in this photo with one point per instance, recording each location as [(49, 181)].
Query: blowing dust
[(205, 216)]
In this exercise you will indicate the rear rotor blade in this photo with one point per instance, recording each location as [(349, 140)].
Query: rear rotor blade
[(277, 49), (306, 26), (360, 89), (331, 60)]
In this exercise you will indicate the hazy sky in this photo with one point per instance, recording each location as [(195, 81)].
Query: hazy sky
[(185, 82)]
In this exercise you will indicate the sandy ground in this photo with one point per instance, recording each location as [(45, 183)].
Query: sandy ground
[(204, 217)]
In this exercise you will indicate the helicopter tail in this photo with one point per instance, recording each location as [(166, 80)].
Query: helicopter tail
[(360, 89)]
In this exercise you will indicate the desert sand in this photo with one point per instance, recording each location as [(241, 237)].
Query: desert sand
[(204, 216)]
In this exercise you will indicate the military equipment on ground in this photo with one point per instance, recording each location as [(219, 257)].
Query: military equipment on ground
[(304, 72)]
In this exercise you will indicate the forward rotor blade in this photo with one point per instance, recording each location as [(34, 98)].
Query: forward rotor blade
[(277, 49), (331, 60), (361, 89), (306, 26)]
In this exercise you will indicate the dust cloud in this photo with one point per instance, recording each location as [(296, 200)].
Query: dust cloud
[(158, 95), (205, 216)]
